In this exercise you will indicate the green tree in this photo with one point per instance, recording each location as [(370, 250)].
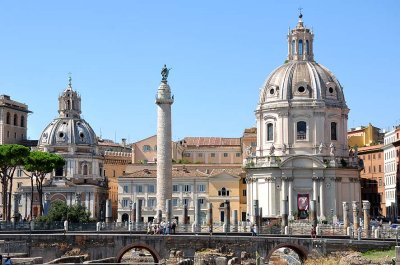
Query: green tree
[(11, 157), (40, 164), (59, 211)]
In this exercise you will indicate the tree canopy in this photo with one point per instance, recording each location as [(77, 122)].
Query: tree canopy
[(11, 156), (39, 164), (60, 211)]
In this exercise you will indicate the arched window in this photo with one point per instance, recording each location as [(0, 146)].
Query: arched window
[(301, 130), (146, 148), (68, 104), (8, 120), (85, 170), (333, 131), (300, 47), (270, 132), (307, 47), (15, 119), (223, 192), (293, 46), (22, 121)]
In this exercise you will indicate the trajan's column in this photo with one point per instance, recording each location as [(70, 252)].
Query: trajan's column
[(164, 101)]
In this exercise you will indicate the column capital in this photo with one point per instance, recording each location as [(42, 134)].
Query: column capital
[(366, 205), (345, 206), (355, 206)]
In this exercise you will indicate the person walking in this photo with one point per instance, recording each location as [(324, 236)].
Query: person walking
[(8, 261)]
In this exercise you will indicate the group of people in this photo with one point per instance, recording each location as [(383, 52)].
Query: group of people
[(163, 228), (6, 262)]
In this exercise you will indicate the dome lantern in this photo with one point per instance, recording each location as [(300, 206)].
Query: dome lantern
[(69, 102), (300, 42)]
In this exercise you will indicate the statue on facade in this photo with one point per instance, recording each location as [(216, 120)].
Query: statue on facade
[(284, 149), (248, 151), (272, 150), (165, 72), (332, 148), (321, 148)]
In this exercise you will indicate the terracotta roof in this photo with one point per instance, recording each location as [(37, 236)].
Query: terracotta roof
[(232, 171), (176, 173), (211, 141)]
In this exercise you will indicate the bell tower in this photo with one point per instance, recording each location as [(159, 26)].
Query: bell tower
[(69, 102)]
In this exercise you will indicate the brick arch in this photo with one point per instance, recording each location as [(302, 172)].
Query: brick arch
[(300, 250), (141, 245)]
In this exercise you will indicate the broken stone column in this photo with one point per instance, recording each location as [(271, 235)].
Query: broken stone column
[(255, 212), (345, 215), (235, 219), (197, 215), (284, 204), (366, 208), (139, 211), (313, 212), (168, 208), (209, 217), (108, 211), (227, 214), (356, 208), (185, 215), (134, 212)]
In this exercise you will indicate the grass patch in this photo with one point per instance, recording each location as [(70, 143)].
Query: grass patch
[(379, 254)]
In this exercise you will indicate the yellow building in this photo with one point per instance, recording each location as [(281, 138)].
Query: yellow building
[(364, 136)]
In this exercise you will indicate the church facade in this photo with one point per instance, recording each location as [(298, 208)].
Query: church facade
[(302, 152), (81, 180)]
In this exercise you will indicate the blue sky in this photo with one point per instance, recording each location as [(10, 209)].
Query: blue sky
[(220, 53)]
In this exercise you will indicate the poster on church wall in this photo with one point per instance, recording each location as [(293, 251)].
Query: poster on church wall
[(302, 202)]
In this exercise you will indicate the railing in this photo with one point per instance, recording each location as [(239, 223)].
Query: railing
[(275, 161)]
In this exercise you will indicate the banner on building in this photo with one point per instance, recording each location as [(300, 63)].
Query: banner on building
[(302, 202)]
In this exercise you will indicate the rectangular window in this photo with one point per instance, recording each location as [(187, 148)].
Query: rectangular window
[(139, 188), (186, 155), (301, 130), (200, 155), (380, 182), (126, 189), (373, 156), (150, 188), (238, 154), (175, 188), (201, 201), (270, 132), (151, 203), (333, 131), (19, 184), (374, 169), (243, 180), (125, 203), (201, 188), (380, 168), (253, 144), (379, 155), (244, 193), (185, 201), (175, 202), (186, 188), (212, 154), (225, 154), (369, 169)]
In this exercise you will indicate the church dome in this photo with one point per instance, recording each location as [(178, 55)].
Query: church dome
[(69, 129), (301, 80)]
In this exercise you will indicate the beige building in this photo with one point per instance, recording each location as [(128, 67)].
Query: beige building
[(13, 121), (207, 183), (116, 158)]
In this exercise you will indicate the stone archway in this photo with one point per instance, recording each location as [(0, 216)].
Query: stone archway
[(300, 250), (140, 245)]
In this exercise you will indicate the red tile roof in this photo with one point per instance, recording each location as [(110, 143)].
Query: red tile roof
[(211, 141)]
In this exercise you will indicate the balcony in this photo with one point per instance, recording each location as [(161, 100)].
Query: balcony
[(328, 161)]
